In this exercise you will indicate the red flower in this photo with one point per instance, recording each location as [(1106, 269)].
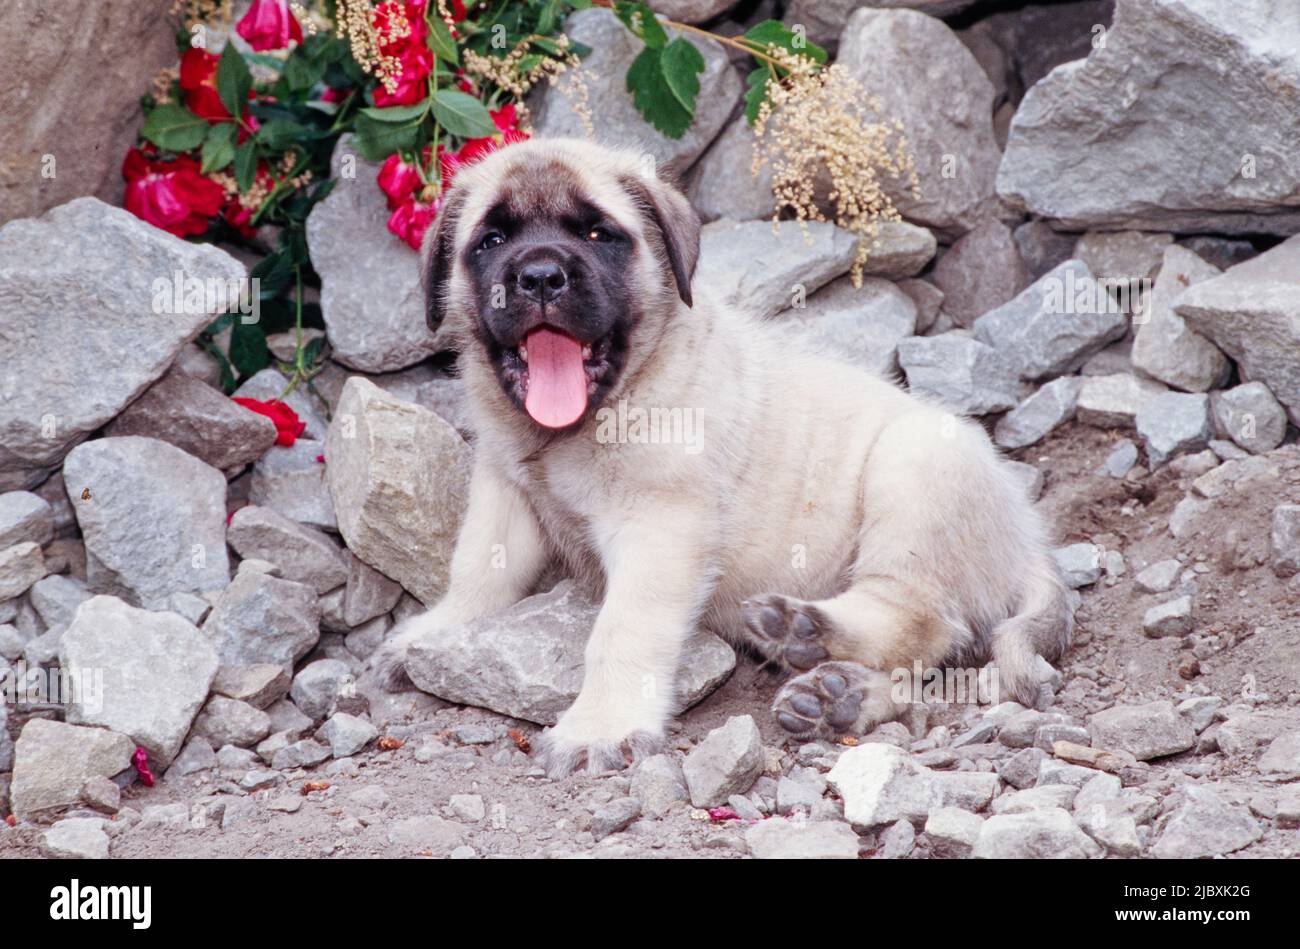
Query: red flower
[(412, 219), (399, 179), (269, 24), (505, 119), (140, 759), (170, 195), (400, 23), (416, 62), (199, 83), (236, 214), (287, 425)]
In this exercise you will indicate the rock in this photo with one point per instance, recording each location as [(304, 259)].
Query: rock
[(369, 594), (658, 785), (1144, 731), (1250, 416), (318, 687), (11, 643), (1054, 324), (1244, 733), (153, 518), (1249, 314), (1121, 459), (1110, 824), (723, 184), (68, 266), (1173, 422), (1164, 347), (1080, 564), (56, 598), (1284, 540), (1114, 401), (1081, 131), (1202, 824), (102, 795), (799, 792), (226, 721), (778, 839), (1036, 799), (427, 834), (263, 619), (728, 761), (961, 372), (896, 841), (1173, 618), (1159, 577), (298, 754), (270, 384), (1282, 755), (53, 761), (399, 477), (927, 297), (6, 742), (763, 271), (952, 831), (467, 808), (925, 77), (1028, 476), (303, 555), (370, 284), (155, 667), (691, 11), (347, 734), (1033, 419), (292, 482), (1047, 833), (824, 19), (1109, 360), (1021, 769), (1122, 256), (196, 418), (526, 662), (196, 756), (615, 816), (863, 325), (25, 518), (75, 838), (613, 48), (1200, 710), (1041, 248), (20, 566), (880, 784), (980, 272), (259, 685)]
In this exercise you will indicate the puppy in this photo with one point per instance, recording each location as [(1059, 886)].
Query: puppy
[(839, 526)]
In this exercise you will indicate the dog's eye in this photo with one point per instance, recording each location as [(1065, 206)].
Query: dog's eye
[(599, 234), (490, 240)]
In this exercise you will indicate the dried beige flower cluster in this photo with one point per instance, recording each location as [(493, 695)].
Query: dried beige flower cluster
[(355, 24), (205, 12), (819, 123), (509, 74)]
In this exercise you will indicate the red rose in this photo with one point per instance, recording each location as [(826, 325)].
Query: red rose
[(399, 179), (170, 195), (412, 219), (400, 25), (415, 62), (287, 425), (504, 119), (199, 83), (269, 24)]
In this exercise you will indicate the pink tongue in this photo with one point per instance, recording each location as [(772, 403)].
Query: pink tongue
[(557, 384)]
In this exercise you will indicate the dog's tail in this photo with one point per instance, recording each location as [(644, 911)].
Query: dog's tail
[(1042, 628)]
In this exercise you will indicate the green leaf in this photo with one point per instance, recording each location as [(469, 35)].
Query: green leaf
[(248, 350), (233, 80), (301, 72), (400, 114), (218, 147), (174, 128), (279, 134), (375, 141), (462, 114), (442, 43), (549, 18), (653, 97), (246, 165), (682, 64), (756, 93), (776, 33), (640, 19)]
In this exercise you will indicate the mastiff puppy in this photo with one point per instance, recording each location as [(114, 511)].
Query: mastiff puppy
[(837, 525)]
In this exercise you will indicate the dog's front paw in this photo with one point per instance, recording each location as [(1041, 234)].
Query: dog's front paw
[(595, 743), (387, 664)]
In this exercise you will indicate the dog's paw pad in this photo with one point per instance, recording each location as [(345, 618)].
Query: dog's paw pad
[(786, 630), (827, 701)]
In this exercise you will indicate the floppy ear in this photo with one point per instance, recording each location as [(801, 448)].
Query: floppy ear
[(667, 209), (438, 255)]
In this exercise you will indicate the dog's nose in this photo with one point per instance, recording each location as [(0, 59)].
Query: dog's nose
[(542, 280)]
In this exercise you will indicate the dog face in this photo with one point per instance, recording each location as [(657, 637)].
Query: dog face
[(558, 264)]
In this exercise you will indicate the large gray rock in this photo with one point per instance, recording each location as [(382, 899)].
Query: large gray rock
[(691, 11), (1164, 347), (302, 554), (880, 784), (54, 760), (20, 566), (399, 477), (291, 481), (959, 371), (1122, 256), (802, 840), (1114, 401), (25, 517), (1055, 324), (1031, 421), (226, 721), (368, 593), (616, 119), (980, 272), (763, 271), (153, 519), (863, 325), (1252, 313), (75, 838), (1250, 416), (1048, 832), (1202, 825), (1172, 423), (1144, 731), (156, 669), (188, 413), (370, 279), (723, 183), (1190, 87), (56, 598), (728, 761), (526, 662), (66, 270), (262, 619), (824, 19), (925, 77)]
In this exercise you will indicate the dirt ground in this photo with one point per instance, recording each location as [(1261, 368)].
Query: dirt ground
[(1246, 648)]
